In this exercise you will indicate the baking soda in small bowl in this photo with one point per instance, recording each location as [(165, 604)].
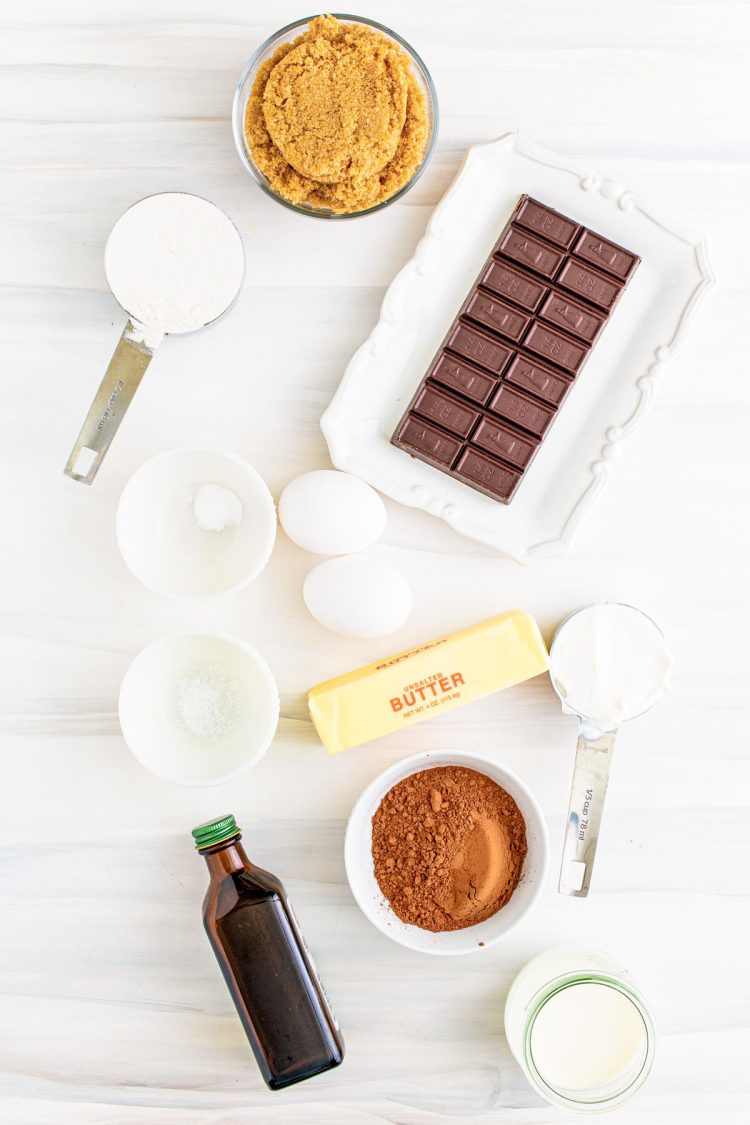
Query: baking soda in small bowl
[(196, 523), (216, 508)]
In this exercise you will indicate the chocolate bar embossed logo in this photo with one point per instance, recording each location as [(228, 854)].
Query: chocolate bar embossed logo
[(528, 251), (432, 445), (505, 442), (508, 282), (548, 385), (450, 413), (560, 349), (605, 253), (572, 317), (482, 349), (621, 263), (589, 284), (489, 475), (522, 409), (551, 225), (474, 384), (524, 393), (497, 315)]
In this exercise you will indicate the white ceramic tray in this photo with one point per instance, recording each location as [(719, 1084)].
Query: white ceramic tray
[(610, 397)]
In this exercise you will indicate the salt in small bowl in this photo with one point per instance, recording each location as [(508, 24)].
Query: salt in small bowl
[(198, 708)]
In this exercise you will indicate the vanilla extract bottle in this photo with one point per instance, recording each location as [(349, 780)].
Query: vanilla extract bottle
[(270, 975)]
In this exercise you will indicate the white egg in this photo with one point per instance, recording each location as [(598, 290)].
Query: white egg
[(357, 596), (331, 513)]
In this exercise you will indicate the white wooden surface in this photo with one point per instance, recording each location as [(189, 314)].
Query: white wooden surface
[(112, 1007)]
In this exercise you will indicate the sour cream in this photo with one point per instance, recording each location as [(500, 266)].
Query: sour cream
[(609, 663)]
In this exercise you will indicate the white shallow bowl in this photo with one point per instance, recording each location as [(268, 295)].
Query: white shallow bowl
[(162, 544), (150, 719), (361, 874)]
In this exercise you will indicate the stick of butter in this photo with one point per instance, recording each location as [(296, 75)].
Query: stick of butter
[(422, 682)]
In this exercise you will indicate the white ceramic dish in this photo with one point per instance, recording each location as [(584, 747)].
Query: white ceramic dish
[(361, 875), (150, 719), (611, 395), (161, 542)]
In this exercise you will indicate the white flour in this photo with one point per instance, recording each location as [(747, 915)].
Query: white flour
[(174, 262)]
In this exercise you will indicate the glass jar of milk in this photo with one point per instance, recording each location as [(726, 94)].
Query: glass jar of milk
[(579, 1029)]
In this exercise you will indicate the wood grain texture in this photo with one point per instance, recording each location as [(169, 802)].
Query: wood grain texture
[(113, 1011)]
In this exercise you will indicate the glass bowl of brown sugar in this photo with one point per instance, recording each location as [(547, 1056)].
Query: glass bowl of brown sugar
[(335, 116), (446, 852)]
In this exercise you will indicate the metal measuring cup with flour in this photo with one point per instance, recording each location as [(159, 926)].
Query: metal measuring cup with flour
[(175, 263), (609, 663)]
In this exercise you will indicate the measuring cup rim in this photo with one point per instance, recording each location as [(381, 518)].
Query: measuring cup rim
[(192, 195), (586, 720)]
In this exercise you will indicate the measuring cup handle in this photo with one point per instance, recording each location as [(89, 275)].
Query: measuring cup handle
[(121, 380), (587, 794)]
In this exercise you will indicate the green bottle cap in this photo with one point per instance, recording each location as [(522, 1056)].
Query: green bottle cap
[(214, 831)]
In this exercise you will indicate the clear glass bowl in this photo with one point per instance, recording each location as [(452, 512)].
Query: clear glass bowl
[(266, 49)]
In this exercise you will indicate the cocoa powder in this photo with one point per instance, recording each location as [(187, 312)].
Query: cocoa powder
[(448, 846)]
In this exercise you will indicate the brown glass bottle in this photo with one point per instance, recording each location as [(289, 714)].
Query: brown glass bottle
[(276, 991)]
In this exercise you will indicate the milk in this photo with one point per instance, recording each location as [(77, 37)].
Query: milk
[(579, 1029), (588, 1037)]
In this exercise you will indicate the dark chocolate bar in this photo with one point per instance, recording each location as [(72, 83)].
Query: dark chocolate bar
[(515, 349)]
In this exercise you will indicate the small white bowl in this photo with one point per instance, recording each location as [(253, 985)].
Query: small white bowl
[(361, 874), (161, 542), (150, 715)]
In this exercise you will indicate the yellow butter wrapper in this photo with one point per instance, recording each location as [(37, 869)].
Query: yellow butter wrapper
[(426, 681)]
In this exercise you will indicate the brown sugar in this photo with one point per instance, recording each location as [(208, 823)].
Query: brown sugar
[(336, 118), (448, 848), (336, 107)]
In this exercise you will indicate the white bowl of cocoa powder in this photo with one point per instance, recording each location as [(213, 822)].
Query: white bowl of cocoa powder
[(446, 852)]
